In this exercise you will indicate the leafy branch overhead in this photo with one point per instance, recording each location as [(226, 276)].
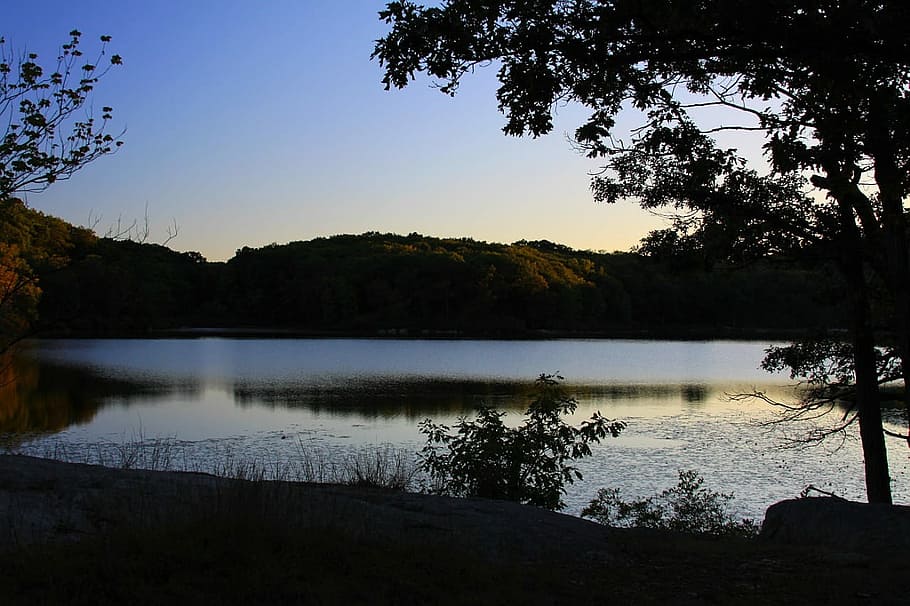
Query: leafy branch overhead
[(821, 82), (822, 85), (50, 128)]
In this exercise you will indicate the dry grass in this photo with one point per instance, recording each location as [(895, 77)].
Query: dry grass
[(381, 466)]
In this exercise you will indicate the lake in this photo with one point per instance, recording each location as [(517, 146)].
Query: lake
[(220, 399)]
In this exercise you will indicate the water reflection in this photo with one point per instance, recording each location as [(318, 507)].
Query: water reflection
[(694, 394), (38, 399), (44, 397)]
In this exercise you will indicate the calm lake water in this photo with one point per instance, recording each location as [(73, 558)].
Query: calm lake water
[(217, 399)]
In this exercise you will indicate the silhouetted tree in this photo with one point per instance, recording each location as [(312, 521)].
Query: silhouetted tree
[(822, 82), (49, 134)]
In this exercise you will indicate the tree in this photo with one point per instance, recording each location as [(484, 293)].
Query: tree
[(530, 463), (19, 294), (49, 134), (33, 246), (824, 370), (821, 82), (44, 140)]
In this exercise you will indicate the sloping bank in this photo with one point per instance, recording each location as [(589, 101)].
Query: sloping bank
[(84, 534), (43, 500)]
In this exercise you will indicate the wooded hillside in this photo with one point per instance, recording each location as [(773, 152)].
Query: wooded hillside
[(385, 284)]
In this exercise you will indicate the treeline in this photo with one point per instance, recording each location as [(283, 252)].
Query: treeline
[(62, 279), (411, 285), (33, 247)]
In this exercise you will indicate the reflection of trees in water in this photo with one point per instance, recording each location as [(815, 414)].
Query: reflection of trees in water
[(694, 394), (372, 399), (35, 399), (38, 397), (417, 399)]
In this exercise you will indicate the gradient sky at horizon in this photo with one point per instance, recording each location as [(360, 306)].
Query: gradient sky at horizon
[(250, 123)]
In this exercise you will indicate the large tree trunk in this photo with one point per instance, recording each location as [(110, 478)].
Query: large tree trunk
[(868, 405), (878, 481), (893, 250)]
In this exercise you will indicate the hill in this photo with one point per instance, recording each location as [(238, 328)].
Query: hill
[(385, 284)]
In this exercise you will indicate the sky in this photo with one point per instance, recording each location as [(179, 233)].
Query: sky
[(248, 123)]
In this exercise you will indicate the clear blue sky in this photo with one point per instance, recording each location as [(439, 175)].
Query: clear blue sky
[(256, 122)]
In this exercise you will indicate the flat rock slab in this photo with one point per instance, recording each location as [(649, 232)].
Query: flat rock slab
[(846, 525), (43, 500)]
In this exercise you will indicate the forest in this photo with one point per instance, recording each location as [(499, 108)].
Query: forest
[(60, 279)]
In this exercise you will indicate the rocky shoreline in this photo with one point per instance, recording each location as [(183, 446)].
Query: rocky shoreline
[(43, 500)]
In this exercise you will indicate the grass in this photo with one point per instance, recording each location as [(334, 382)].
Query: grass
[(380, 466)]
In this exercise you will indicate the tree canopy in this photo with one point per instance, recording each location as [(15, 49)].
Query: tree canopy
[(822, 83), (49, 133), (31, 244), (45, 140), (373, 284)]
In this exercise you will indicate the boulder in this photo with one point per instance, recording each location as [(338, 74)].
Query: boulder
[(834, 522)]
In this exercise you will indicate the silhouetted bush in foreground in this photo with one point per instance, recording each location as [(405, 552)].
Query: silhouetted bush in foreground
[(687, 507)]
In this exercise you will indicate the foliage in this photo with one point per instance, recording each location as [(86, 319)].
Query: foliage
[(378, 281), (18, 295), (822, 85), (826, 364), (687, 507), (119, 286), (50, 132), (825, 374), (825, 95), (31, 244), (787, 70), (530, 463), (390, 284)]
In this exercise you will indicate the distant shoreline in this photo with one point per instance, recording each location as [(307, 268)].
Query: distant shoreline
[(668, 334)]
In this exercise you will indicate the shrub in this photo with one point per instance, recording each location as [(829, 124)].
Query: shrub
[(687, 507), (530, 463)]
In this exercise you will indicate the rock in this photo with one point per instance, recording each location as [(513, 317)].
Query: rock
[(834, 522), (43, 500)]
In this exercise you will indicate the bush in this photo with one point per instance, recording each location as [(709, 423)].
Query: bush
[(687, 507), (529, 464)]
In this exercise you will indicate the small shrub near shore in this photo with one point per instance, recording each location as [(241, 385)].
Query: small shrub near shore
[(529, 464), (687, 507)]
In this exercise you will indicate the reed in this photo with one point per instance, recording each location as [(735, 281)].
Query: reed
[(379, 465)]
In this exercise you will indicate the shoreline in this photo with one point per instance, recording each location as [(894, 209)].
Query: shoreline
[(667, 334), (76, 533)]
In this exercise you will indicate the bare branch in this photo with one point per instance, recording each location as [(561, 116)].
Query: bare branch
[(172, 231)]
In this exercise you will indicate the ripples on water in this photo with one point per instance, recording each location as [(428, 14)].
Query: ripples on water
[(220, 402)]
